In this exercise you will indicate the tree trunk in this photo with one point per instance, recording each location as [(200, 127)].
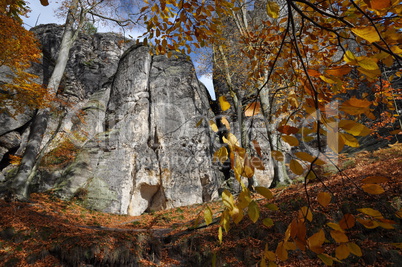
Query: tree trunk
[(39, 124)]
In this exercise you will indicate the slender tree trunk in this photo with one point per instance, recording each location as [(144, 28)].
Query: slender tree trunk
[(39, 124)]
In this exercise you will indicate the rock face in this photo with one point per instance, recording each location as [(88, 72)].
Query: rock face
[(137, 128)]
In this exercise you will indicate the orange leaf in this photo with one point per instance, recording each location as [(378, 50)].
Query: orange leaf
[(257, 147), (315, 241), (339, 236), (281, 252), (324, 198), (354, 249), (347, 222), (342, 251), (252, 109), (380, 4), (305, 212), (296, 167), (375, 180), (373, 189), (286, 129)]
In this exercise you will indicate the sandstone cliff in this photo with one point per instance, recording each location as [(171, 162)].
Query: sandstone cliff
[(130, 123)]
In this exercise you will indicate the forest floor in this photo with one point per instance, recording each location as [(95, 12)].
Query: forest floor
[(49, 232)]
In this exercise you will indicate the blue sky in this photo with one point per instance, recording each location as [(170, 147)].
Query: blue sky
[(46, 14)]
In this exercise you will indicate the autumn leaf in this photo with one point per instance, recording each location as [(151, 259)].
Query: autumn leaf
[(326, 259), (324, 198), (257, 147), (367, 33), (354, 128), (347, 221), (380, 4), (252, 109), (268, 222), (305, 212), (342, 251), (281, 252), (373, 189), (371, 212), (273, 9), (264, 192), (296, 167), (286, 129), (253, 211), (277, 155), (225, 105), (213, 126), (375, 180), (339, 236), (220, 155), (354, 249), (291, 140), (315, 242), (208, 215)]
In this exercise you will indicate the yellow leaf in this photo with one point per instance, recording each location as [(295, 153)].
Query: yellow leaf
[(220, 234), (253, 211), (347, 222), (269, 254), (371, 212), (386, 225), (307, 157), (208, 215), (273, 9), (349, 57), (271, 206), (327, 80), (380, 4), (252, 109), (368, 64), (373, 189), (354, 249), (373, 74), (268, 222), (231, 140), (375, 180), (296, 167), (335, 226), (315, 241), (265, 192), (354, 128), (248, 168), (221, 154), (281, 252), (225, 105), (324, 198), (342, 251), (305, 212), (227, 199), (349, 140), (291, 140), (339, 236), (368, 33), (277, 155), (326, 259), (237, 214), (213, 126), (369, 224)]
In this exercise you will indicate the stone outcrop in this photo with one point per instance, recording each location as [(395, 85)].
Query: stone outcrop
[(135, 130)]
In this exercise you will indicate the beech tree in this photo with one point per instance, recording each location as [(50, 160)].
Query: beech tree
[(312, 53), (18, 50)]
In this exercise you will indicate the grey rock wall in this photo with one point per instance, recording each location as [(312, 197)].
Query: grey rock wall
[(132, 119)]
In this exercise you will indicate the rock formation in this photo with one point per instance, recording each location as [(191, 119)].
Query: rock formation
[(136, 125)]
